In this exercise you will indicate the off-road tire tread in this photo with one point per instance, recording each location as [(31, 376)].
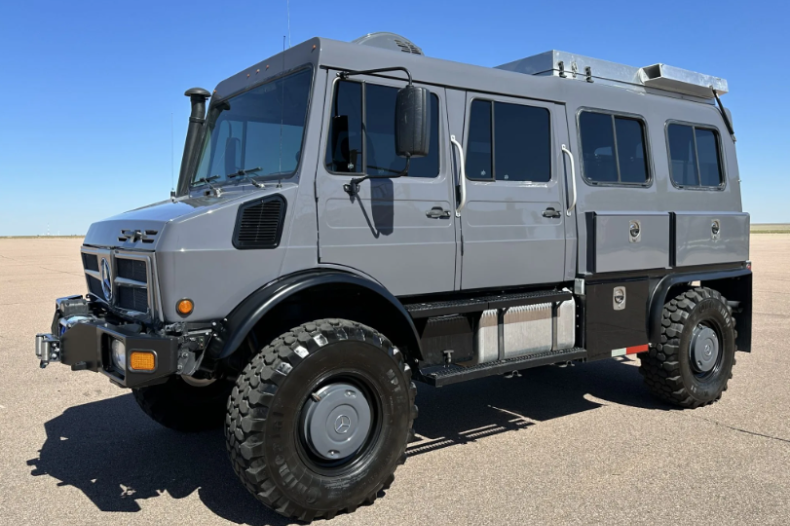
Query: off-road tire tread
[(255, 388), (659, 366)]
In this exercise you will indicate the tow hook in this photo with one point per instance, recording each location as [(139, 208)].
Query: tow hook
[(47, 349)]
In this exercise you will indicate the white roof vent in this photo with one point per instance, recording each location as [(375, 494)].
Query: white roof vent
[(391, 41)]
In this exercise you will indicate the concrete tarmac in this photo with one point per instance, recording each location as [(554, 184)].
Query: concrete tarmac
[(577, 445)]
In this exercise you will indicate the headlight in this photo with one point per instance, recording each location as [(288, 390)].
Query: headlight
[(119, 354)]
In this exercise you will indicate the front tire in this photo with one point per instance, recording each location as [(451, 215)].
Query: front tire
[(320, 419), (693, 363)]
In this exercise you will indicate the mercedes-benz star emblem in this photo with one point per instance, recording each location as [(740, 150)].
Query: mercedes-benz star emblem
[(342, 424), (106, 280)]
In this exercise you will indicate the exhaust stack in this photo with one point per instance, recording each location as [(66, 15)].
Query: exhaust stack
[(197, 97)]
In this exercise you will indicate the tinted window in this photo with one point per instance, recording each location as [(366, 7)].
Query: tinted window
[(694, 155), (613, 149), (631, 156), (479, 146), (520, 145), (344, 151), (708, 155), (598, 147)]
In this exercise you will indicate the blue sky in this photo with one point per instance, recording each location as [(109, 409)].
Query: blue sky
[(90, 87)]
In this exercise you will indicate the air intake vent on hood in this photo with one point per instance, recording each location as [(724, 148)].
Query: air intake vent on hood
[(259, 223)]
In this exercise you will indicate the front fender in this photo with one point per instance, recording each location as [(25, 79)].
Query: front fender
[(253, 309)]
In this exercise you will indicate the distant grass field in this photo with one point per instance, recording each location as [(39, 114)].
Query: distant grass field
[(771, 228)]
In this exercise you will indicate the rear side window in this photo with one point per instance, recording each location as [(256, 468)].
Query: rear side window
[(694, 156), (508, 142), (375, 127), (613, 149)]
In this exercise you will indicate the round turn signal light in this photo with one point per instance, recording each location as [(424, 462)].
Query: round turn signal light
[(185, 307)]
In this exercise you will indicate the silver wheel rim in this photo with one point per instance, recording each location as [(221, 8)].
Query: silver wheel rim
[(337, 421), (704, 350)]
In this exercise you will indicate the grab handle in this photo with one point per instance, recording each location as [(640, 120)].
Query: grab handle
[(566, 151)]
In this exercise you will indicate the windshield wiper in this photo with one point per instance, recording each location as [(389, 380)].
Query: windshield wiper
[(207, 180), (244, 173)]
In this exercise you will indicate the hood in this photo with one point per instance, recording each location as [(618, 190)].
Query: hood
[(142, 228)]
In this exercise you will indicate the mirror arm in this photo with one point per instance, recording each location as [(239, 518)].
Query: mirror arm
[(343, 75), (352, 187)]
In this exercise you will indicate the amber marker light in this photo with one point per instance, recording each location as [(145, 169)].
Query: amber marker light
[(185, 307), (142, 361)]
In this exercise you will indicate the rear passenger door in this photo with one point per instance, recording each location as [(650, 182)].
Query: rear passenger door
[(513, 224)]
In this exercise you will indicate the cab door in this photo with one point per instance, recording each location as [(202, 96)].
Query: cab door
[(400, 231), (513, 223)]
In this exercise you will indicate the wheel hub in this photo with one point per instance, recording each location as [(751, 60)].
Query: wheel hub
[(704, 349), (337, 421)]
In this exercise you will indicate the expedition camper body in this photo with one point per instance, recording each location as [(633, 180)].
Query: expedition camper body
[(338, 232)]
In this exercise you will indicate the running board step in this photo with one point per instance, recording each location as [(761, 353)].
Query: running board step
[(453, 374), (500, 301)]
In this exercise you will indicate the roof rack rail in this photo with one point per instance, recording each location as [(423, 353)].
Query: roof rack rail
[(659, 76)]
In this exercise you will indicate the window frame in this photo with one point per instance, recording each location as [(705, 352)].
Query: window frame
[(493, 179), (719, 151), (646, 136), (335, 82), (213, 102)]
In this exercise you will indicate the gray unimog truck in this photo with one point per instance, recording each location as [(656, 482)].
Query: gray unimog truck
[(353, 217)]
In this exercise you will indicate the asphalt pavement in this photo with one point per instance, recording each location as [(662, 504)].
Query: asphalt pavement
[(576, 445)]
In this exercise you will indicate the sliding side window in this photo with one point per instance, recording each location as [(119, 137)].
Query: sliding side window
[(694, 156), (508, 142), (613, 149)]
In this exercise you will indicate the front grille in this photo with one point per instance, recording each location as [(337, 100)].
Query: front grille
[(94, 287), (133, 298), (132, 275), (90, 262), (132, 269)]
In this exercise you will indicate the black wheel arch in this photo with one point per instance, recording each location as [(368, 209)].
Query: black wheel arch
[(734, 284), (382, 310)]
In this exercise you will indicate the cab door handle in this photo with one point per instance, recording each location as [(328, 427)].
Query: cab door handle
[(437, 212), (550, 212)]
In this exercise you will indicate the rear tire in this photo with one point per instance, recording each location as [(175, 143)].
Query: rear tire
[(183, 407), (280, 437), (693, 363)]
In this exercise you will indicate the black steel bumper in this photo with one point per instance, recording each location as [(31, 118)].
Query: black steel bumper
[(84, 341)]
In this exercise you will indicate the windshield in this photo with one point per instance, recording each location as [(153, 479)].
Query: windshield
[(259, 131)]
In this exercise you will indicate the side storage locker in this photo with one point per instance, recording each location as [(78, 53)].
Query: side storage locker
[(623, 241), (706, 238)]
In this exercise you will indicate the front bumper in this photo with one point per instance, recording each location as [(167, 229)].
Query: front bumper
[(83, 339)]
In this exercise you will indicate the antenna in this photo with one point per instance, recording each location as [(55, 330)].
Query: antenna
[(288, 10), (172, 156)]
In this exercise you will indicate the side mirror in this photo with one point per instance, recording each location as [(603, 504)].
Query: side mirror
[(232, 147), (412, 122)]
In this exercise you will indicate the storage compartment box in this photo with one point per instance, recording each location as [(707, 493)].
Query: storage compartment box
[(705, 238), (622, 241)]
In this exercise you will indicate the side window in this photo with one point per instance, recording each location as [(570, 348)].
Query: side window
[(613, 149), (349, 129), (694, 156), (508, 142)]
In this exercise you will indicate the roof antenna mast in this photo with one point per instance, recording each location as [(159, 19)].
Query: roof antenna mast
[(288, 12)]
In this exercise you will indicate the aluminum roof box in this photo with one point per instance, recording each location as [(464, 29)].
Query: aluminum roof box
[(578, 67)]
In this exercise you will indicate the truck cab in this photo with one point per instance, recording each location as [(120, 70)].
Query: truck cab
[(351, 217)]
